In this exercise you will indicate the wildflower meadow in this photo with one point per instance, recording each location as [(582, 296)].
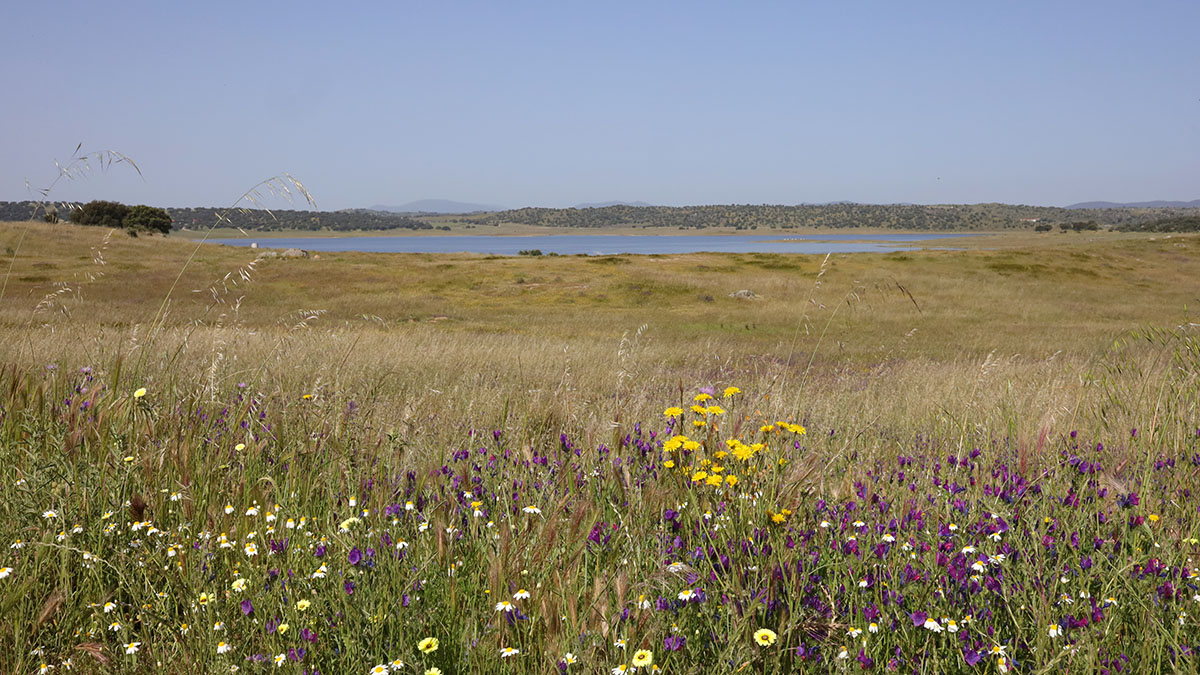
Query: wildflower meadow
[(228, 498)]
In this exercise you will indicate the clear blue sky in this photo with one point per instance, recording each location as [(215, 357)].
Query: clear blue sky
[(556, 103)]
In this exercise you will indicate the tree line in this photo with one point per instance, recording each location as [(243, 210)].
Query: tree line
[(838, 216), (1179, 224), (113, 214), (750, 217), (283, 219)]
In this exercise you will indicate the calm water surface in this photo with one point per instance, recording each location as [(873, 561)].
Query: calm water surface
[(609, 244)]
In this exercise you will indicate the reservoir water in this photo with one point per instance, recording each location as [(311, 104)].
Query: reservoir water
[(609, 244)]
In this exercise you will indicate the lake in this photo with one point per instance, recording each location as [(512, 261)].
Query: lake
[(607, 244)]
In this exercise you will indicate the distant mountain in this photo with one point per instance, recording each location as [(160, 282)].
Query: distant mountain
[(437, 206), (600, 205), (1159, 204)]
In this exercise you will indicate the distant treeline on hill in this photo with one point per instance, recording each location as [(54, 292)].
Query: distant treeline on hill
[(254, 219), (248, 219), (742, 217), (884, 216), (1179, 224)]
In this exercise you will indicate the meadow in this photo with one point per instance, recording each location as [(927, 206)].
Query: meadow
[(933, 461)]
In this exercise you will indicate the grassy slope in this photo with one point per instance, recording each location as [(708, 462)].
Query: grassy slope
[(555, 336), (1069, 293)]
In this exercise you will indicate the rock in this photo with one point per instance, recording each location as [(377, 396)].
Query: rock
[(744, 295), (254, 244), (294, 253)]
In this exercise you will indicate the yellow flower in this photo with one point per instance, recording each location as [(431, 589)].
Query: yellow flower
[(1152, 518), (669, 464), (307, 397), (702, 397), (673, 412), (699, 476), (714, 480), (778, 518), (302, 605), (433, 671), (699, 410), (643, 658), (283, 628), (691, 446), (765, 637), (140, 392), (730, 391), (428, 645), (731, 480), (715, 410)]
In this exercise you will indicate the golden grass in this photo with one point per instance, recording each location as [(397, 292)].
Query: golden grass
[(929, 336)]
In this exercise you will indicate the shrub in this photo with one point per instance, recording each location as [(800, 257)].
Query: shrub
[(100, 213), (142, 217)]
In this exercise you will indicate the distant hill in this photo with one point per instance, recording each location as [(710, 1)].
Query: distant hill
[(1159, 204), (601, 205), (437, 206), (945, 217)]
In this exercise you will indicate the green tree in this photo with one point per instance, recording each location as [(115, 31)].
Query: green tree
[(152, 218), (100, 213)]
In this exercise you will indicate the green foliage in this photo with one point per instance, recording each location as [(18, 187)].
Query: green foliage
[(100, 213), (940, 217), (268, 221), (1179, 224), (142, 217), (530, 251)]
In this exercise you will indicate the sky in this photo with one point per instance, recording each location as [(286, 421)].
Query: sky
[(558, 103)]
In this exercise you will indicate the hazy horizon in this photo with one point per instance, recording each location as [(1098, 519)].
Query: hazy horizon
[(523, 104)]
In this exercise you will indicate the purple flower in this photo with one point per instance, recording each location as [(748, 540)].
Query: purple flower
[(308, 635), (355, 556), (971, 656), (918, 618), (247, 607), (674, 643), (349, 587)]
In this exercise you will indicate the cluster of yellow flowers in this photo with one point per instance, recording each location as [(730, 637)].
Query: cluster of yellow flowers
[(781, 517)]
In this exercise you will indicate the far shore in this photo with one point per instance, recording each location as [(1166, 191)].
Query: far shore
[(982, 240), (535, 231)]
